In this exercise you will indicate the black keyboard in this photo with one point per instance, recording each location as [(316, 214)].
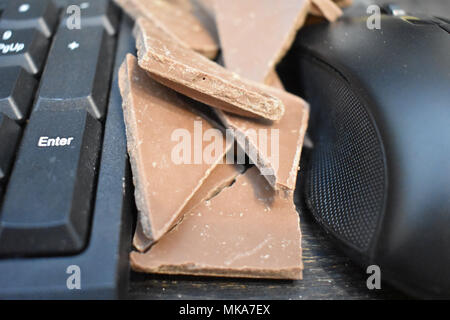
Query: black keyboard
[(64, 173)]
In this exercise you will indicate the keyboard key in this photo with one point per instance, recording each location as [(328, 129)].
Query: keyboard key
[(93, 13), (26, 48), (16, 92), (48, 202), (20, 14), (9, 137), (78, 71)]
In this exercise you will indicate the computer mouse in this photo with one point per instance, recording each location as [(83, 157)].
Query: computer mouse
[(378, 179)]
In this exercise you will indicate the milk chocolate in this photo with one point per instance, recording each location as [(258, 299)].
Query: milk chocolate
[(341, 3), (195, 76), (244, 231), (185, 4), (256, 34), (205, 14), (274, 80), (326, 8), (176, 20), (221, 176), (208, 6), (152, 113), (291, 129)]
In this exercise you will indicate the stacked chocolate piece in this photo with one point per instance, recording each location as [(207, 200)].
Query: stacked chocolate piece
[(201, 211)]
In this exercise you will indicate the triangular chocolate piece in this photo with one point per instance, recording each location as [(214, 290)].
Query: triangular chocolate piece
[(255, 34), (153, 113)]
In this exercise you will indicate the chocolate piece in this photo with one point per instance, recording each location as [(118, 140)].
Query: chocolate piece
[(178, 21), (221, 176), (274, 80), (207, 5), (140, 240), (281, 171), (255, 34), (244, 231), (199, 78), (205, 14), (341, 3), (326, 8), (185, 4), (152, 114)]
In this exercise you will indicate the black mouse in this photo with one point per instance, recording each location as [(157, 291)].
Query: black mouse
[(378, 179)]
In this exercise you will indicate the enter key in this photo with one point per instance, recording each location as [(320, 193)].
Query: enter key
[(48, 202)]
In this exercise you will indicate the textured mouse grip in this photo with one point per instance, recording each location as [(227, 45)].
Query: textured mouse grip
[(345, 187)]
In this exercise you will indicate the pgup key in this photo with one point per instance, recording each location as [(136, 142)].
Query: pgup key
[(26, 48), (48, 202), (78, 71)]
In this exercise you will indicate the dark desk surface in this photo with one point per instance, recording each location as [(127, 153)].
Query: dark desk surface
[(328, 273)]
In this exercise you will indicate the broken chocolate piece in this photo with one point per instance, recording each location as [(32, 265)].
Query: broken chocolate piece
[(221, 176), (193, 75), (343, 3), (280, 167), (177, 20), (153, 113), (256, 34), (207, 5), (274, 80), (326, 8), (204, 14), (185, 4), (140, 240), (244, 231)]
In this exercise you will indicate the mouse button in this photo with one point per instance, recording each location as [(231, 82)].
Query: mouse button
[(442, 20), (393, 10), (423, 20), (416, 20)]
